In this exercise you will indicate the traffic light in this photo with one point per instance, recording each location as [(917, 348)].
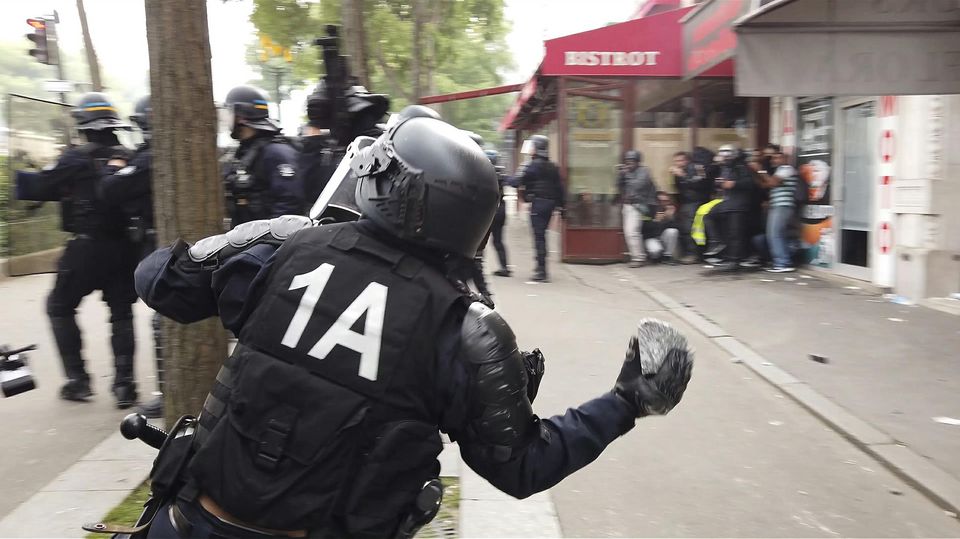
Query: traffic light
[(42, 50)]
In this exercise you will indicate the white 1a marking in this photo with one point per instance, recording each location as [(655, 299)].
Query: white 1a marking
[(372, 301)]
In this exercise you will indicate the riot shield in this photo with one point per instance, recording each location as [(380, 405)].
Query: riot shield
[(37, 131)]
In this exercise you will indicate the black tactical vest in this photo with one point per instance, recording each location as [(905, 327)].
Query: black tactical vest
[(82, 212), (325, 415)]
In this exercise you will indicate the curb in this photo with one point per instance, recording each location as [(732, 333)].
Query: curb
[(84, 492), (919, 472)]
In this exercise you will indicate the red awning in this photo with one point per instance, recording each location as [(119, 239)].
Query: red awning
[(647, 47), (523, 100)]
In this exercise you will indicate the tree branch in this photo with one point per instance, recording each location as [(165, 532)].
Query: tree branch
[(391, 74)]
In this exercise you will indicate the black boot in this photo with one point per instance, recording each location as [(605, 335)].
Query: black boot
[(67, 335), (124, 388), (540, 276), (77, 389), (152, 409)]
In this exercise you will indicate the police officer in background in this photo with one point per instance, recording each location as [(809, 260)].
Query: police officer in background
[(325, 140), (261, 181), (544, 190), (99, 256), (128, 185), (500, 219), (324, 426)]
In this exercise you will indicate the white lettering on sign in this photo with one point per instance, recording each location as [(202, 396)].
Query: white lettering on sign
[(607, 58)]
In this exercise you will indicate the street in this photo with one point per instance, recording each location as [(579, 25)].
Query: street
[(736, 458)]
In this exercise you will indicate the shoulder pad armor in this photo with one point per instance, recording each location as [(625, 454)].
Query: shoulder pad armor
[(220, 247), (500, 410)]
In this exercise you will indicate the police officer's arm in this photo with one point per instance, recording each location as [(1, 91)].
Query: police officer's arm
[(220, 275), (503, 439), (53, 183), (279, 165), (128, 182)]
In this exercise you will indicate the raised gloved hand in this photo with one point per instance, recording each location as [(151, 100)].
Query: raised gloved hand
[(656, 369)]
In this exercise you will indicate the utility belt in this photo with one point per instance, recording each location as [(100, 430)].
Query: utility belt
[(138, 231)]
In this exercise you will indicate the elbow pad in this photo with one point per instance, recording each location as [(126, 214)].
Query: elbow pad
[(211, 252), (502, 418)]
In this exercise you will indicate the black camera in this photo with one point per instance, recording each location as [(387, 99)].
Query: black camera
[(15, 375)]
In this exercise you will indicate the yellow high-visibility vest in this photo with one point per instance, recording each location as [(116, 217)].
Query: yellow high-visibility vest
[(697, 231)]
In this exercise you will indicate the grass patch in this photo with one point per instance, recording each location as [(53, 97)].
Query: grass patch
[(128, 511), (445, 525)]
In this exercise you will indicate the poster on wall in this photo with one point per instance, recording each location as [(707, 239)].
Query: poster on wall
[(814, 161)]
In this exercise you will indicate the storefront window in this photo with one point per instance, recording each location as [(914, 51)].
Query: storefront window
[(815, 160), (594, 152)]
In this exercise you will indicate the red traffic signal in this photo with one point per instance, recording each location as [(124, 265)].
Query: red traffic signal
[(40, 49)]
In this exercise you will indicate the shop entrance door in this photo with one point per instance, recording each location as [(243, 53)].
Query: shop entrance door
[(592, 129), (858, 136)]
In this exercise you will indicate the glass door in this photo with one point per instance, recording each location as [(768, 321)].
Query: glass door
[(857, 180)]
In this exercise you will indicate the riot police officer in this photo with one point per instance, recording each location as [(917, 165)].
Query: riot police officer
[(544, 190), (324, 425), (128, 185), (500, 219), (327, 134), (99, 256), (261, 181)]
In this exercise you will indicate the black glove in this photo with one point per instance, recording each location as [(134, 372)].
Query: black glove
[(655, 394), (533, 364)]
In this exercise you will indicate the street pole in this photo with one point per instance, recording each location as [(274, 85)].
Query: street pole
[(276, 85)]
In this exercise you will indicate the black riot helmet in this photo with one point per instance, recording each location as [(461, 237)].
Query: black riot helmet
[(96, 112), (536, 146), (632, 155), (142, 113), (426, 182), (475, 137), (249, 106)]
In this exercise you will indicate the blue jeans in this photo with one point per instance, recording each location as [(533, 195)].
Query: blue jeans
[(778, 218)]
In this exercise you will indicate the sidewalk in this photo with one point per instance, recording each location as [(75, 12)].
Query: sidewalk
[(896, 367)]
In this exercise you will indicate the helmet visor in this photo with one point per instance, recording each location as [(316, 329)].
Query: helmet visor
[(226, 118), (528, 148), (339, 196)]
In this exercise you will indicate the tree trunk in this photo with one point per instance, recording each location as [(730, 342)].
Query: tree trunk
[(419, 17), (356, 39), (188, 198), (88, 46)]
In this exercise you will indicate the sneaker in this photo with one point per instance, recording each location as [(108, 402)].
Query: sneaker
[(503, 273), (76, 390), (540, 277), (750, 263), (689, 259), (715, 250), (668, 261), (725, 267), (126, 395), (782, 269), (713, 260), (637, 264)]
